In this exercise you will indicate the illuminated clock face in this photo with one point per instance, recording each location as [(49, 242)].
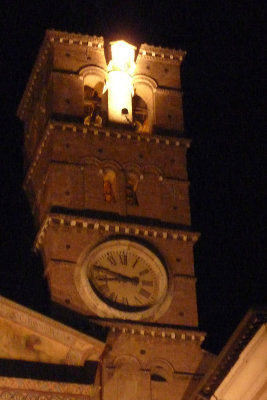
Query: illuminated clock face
[(124, 279)]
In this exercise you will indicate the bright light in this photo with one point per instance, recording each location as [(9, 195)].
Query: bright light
[(120, 86), (122, 56)]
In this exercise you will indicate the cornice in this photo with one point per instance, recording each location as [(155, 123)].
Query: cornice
[(119, 228), (161, 332), (170, 91), (161, 54), (23, 388), (230, 353), (84, 131), (77, 342), (120, 134), (75, 38)]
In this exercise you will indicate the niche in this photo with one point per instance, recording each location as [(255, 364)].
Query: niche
[(158, 374), (131, 187), (161, 376), (93, 104), (109, 186), (140, 114)]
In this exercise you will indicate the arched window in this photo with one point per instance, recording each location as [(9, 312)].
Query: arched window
[(144, 102), (161, 375), (158, 374), (131, 187), (109, 185), (92, 104), (140, 113), (128, 380)]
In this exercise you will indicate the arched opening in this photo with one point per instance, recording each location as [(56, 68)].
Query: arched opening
[(160, 377), (144, 102), (109, 185), (131, 187), (140, 113), (159, 374), (93, 104)]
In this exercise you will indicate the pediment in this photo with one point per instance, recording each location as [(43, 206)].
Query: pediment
[(29, 336)]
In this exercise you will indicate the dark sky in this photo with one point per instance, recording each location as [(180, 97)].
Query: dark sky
[(223, 83)]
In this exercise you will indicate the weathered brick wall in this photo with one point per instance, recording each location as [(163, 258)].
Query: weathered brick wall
[(136, 361), (69, 173)]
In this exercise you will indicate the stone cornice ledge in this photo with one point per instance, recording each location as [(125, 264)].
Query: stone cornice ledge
[(78, 343), (84, 131), (154, 331), (230, 354), (120, 228), (18, 388), (163, 54)]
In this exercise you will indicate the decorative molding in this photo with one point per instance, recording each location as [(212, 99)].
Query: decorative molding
[(80, 129), (229, 356), (145, 79), (169, 91), (154, 331), (97, 42), (83, 131), (186, 277), (118, 227), (30, 389), (77, 343), (93, 70), (157, 58), (160, 54)]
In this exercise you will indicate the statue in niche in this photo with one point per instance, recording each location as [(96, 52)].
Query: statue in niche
[(131, 187), (109, 181)]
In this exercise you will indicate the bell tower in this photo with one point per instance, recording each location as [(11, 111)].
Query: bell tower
[(108, 187)]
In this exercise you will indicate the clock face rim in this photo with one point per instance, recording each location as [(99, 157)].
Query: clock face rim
[(104, 308)]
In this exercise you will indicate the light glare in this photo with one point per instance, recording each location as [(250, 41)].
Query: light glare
[(120, 85)]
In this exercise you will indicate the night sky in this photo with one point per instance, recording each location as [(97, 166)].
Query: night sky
[(223, 83)]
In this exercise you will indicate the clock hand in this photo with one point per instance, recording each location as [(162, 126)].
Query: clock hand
[(124, 278), (104, 269), (134, 280), (109, 279)]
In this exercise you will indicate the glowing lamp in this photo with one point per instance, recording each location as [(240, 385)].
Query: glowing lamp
[(120, 85)]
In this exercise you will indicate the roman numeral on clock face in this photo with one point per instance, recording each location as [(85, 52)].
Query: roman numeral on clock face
[(104, 289), (144, 293), (113, 296), (144, 272), (123, 258), (136, 261), (125, 301), (147, 283), (111, 259), (138, 300)]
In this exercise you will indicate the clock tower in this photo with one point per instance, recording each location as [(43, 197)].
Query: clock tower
[(108, 187)]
